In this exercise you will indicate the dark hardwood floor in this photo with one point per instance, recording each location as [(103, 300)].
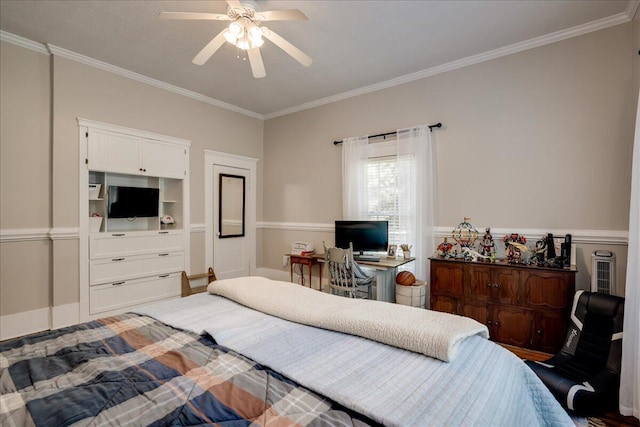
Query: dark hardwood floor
[(607, 420)]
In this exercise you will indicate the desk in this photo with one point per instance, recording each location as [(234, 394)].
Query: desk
[(386, 270), (309, 260)]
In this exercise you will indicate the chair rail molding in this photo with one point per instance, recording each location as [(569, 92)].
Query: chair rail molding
[(602, 237), (198, 228), (35, 234)]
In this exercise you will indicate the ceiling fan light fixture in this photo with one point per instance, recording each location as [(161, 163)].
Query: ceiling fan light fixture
[(236, 29), (243, 43), (245, 33), (230, 37), (255, 33)]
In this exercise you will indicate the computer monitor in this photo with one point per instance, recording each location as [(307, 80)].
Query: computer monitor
[(366, 236)]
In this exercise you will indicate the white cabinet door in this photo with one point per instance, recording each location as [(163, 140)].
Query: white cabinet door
[(162, 159), (114, 152)]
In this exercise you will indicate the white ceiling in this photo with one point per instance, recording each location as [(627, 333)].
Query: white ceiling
[(356, 45)]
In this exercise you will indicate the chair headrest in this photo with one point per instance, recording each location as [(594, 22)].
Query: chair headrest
[(602, 304)]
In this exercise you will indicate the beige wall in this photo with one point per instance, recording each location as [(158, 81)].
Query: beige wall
[(39, 187), (540, 139), (25, 178)]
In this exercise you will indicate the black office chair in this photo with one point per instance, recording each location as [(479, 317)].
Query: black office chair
[(585, 375)]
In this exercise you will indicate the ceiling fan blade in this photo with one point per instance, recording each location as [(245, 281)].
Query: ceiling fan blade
[(296, 53), (194, 15), (211, 48), (235, 4), (257, 66), (282, 15)]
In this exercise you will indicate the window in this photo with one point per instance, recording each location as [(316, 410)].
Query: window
[(382, 191), (393, 181)]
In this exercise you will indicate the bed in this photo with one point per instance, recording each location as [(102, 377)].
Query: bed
[(253, 351)]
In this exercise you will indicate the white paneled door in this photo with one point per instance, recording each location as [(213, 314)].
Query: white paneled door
[(231, 255)]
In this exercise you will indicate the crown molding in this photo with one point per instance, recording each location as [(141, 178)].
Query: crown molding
[(49, 49), (578, 30), (73, 56), (600, 24), (22, 42)]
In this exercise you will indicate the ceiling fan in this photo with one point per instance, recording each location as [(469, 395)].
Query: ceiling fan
[(245, 32)]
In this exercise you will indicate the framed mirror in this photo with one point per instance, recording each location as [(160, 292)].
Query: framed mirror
[(231, 205)]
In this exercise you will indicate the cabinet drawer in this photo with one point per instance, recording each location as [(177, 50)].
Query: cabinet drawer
[(123, 268), (129, 293), (118, 244)]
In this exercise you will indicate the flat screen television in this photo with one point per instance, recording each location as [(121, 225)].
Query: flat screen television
[(366, 236), (133, 202)]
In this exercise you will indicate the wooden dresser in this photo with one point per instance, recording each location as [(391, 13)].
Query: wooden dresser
[(524, 306)]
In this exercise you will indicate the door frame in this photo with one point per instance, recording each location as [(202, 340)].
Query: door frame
[(212, 158)]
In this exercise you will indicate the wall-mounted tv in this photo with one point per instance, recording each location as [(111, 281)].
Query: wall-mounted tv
[(133, 202), (366, 236)]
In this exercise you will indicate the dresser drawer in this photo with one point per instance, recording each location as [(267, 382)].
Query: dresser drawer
[(118, 244), (131, 267), (129, 293)]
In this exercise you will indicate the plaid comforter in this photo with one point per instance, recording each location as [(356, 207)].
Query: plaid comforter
[(133, 370)]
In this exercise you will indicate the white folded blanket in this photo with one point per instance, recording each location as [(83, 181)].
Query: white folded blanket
[(431, 333)]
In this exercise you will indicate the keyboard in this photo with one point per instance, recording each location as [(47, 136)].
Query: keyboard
[(367, 258)]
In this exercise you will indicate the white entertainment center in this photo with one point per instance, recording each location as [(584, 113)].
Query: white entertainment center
[(127, 262)]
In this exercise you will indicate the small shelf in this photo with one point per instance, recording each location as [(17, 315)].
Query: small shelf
[(95, 200), (168, 201)]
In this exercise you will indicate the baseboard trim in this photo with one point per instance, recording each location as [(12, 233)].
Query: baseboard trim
[(65, 315), (273, 274), (24, 323)]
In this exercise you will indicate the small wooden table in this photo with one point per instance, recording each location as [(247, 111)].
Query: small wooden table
[(309, 260)]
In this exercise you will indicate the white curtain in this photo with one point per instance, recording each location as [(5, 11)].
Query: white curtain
[(630, 381), (416, 187), (355, 153)]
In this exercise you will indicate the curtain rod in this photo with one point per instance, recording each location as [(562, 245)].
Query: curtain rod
[(437, 125)]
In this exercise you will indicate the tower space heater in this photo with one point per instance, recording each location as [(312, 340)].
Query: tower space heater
[(603, 272)]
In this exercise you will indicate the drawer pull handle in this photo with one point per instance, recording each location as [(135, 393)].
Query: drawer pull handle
[(163, 275), (163, 254), (117, 259), (118, 234), (163, 232), (118, 283)]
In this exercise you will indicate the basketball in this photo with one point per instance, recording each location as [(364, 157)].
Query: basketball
[(405, 278)]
